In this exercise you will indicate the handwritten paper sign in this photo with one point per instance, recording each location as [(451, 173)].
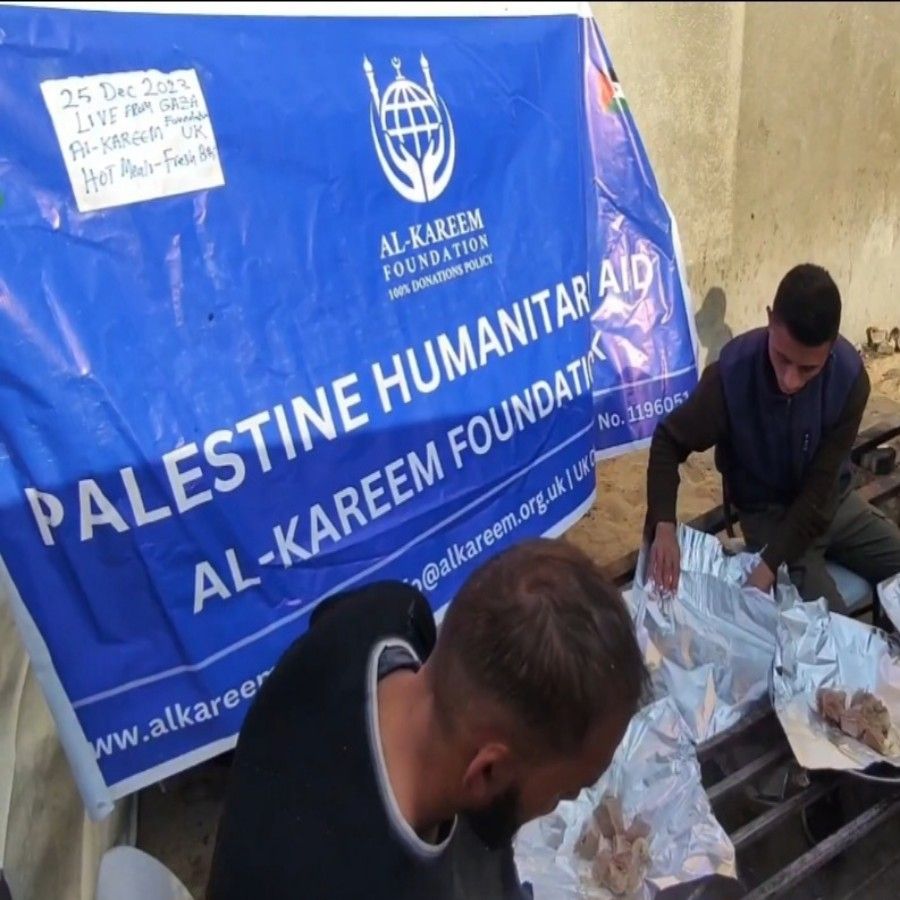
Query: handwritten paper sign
[(133, 136)]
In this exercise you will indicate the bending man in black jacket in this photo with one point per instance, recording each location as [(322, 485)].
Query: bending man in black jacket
[(378, 762)]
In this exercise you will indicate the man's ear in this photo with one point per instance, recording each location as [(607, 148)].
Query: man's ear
[(488, 774)]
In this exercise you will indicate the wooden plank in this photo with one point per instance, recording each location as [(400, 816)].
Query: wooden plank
[(746, 773), (783, 883), (871, 438), (882, 882), (772, 818)]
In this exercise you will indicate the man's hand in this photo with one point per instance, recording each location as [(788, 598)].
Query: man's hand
[(664, 564), (762, 578)]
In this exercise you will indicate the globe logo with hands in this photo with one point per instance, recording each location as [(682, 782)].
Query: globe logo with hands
[(412, 132)]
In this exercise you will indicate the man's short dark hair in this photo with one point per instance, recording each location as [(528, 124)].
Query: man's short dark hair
[(808, 304), (540, 631)]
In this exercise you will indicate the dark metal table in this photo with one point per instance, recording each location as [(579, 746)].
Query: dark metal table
[(773, 809), (797, 835)]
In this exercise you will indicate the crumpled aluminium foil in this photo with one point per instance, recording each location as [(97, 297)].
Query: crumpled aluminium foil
[(655, 774), (711, 645), (821, 649)]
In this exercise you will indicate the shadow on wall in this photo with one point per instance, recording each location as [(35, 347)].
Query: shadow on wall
[(711, 328)]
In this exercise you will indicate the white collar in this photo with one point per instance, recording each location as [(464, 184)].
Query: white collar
[(402, 828)]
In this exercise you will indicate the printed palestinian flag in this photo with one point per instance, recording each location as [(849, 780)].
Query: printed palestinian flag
[(612, 100)]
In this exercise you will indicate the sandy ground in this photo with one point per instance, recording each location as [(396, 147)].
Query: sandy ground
[(178, 819)]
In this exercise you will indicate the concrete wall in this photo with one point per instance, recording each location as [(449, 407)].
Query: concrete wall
[(774, 131)]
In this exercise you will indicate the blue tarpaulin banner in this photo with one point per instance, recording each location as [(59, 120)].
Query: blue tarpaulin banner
[(289, 304)]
